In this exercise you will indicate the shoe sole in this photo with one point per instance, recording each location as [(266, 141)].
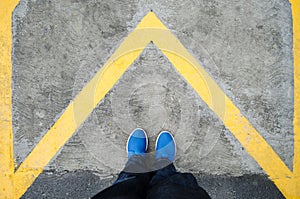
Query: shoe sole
[(172, 138), (131, 135)]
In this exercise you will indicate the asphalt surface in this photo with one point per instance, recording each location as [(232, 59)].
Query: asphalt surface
[(85, 184)]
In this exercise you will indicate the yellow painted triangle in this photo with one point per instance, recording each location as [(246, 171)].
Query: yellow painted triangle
[(152, 29)]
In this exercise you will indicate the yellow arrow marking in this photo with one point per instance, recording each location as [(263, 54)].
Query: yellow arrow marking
[(149, 29)]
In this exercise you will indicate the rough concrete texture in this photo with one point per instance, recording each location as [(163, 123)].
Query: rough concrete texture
[(246, 47)]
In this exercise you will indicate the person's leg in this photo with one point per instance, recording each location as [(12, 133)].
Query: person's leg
[(164, 168), (136, 148), (135, 167), (133, 181), (167, 182), (165, 154)]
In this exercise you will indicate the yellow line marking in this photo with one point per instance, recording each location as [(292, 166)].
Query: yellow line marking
[(295, 4), (6, 136), (296, 48), (149, 29)]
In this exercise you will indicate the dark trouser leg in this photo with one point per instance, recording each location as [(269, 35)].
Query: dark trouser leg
[(135, 167), (132, 182), (164, 168), (168, 183)]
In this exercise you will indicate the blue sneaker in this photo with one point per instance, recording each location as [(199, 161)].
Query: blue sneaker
[(165, 146), (137, 143)]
